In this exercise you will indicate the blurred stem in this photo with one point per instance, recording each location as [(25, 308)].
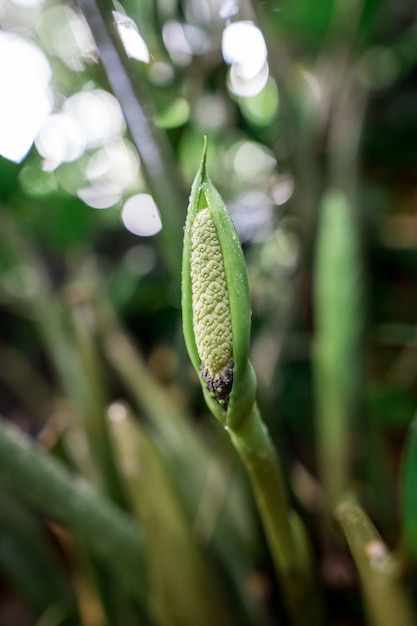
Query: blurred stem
[(334, 458), (292, 561), (94, 408), (338, 313), (193, 598), (386, 599), (43, 481), (153, 147), (345, 130)]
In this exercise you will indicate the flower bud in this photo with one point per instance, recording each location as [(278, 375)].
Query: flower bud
[(215, 303)]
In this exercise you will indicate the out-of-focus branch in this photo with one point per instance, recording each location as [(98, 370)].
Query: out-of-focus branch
[(386, 599), (153, 147)]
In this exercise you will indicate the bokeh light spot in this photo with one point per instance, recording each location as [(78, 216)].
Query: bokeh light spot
[(211, 111), (176, 114), (282, 189), (65, 33), (133, 42), (99, 115), (244, 49), (252, 161), (37, 183), (27, 3), (100, 196), (140, 215), (253, 216), (117, 163), (247, 87), (60, 139), (228, 9), (161, 73), (262, 108), (25, 101), (183, 41)]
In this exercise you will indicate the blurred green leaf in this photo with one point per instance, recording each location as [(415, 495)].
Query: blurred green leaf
[(177, 114), (27, 557), (183, 590), (307, 19), (339, 323), (261, 109)]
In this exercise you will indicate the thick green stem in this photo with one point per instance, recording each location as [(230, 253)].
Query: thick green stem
[(292, 563), (386, 599), (254, 445), (111, 536)]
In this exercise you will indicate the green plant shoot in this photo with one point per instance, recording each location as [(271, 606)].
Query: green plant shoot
[(215, 303), (217, 321)]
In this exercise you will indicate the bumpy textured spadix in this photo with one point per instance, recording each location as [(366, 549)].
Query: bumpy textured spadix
[(211, 308)]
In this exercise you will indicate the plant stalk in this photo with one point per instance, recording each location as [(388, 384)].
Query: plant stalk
[(386, 599), (339, 323), (292, 560)]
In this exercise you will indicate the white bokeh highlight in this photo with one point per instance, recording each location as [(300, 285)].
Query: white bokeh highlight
[(244, 49), (64, 32), (26, 100), (140, 215), (183, 41), (61, 139), (99, 115), (27, 4), (228, 9), (100, 196), (133, 42), (246, 88)]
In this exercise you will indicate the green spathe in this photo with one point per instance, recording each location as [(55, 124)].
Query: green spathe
[(204, 197)]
